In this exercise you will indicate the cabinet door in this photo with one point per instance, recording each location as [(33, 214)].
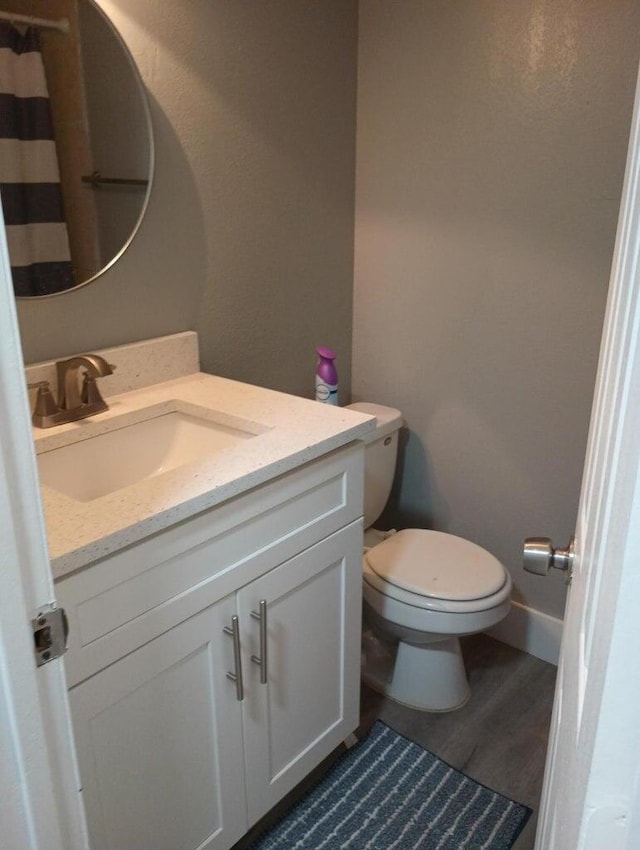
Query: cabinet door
[(310, 701), (159, 738)]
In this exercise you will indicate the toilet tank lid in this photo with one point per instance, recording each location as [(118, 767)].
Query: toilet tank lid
[(389, 418)]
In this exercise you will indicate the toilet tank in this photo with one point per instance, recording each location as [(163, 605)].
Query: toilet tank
[(381, 451)]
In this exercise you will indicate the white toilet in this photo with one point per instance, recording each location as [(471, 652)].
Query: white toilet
[(422, 590)]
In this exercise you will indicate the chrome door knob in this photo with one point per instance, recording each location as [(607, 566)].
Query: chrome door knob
[(539, 556)]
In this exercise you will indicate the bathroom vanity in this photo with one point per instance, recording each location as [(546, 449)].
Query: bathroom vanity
[(214, 612)]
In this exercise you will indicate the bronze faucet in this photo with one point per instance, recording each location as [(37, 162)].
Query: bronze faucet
[(74, 401)]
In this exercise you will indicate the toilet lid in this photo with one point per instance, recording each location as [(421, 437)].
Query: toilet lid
[(433, 564)]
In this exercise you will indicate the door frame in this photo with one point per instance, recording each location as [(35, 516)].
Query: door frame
[(40, 804)]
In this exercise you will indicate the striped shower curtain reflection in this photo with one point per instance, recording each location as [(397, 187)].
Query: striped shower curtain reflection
[(29, 173)]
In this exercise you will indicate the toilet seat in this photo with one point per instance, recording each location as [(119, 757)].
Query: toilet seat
[(436, 571)]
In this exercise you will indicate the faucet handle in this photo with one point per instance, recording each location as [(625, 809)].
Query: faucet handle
[(90, 394), (45, 403)]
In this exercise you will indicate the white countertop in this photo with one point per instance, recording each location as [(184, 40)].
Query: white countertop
[(290, 432)]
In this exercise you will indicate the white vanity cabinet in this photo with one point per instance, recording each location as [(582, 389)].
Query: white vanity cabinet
[(174, 753)]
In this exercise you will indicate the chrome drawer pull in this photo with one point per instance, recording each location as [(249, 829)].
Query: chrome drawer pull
[(236, 677), (262, 658)]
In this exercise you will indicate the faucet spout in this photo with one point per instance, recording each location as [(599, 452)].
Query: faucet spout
[(68, 371)]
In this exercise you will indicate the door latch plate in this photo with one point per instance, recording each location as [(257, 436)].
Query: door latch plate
[(50, 631)]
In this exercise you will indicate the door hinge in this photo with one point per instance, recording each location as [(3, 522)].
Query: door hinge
[(50, 630)]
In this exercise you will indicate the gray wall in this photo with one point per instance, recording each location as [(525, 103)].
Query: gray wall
[(491, 148), (248, 236)]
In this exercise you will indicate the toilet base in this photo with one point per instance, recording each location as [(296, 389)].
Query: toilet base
[(430, 677)]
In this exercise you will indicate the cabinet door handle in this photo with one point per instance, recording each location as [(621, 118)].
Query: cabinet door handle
[(261, 659), (236, 677)]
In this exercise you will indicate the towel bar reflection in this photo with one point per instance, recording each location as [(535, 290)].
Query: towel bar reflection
[(61, 25), (96, 179)]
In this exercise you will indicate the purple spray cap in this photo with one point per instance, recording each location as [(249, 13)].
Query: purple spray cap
[(326, 371), (325, 352)]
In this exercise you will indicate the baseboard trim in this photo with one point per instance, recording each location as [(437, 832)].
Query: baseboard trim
[(531, 631)]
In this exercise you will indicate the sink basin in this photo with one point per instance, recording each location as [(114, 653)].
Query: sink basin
[(95, 466)]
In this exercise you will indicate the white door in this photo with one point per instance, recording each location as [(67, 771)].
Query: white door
[(40, 806), (592, 781)]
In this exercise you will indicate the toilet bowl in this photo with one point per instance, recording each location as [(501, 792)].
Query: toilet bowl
[(422, 590)]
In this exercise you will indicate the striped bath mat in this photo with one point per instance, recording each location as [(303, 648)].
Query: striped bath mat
[(387, 793)]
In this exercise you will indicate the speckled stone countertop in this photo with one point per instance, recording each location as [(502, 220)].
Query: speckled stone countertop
[(289, 431)]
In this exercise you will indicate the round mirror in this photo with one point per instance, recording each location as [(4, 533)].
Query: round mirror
[(76, 149)]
